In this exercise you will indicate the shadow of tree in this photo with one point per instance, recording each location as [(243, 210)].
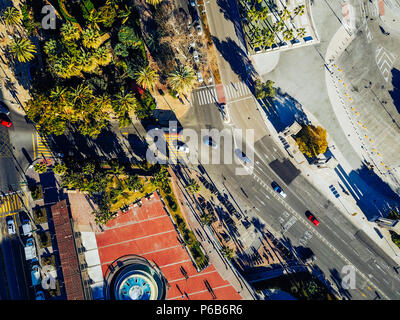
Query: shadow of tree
[(238, 59), (372, 194)]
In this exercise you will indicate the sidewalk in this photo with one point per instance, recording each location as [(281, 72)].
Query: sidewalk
[(321, 179), (210, 245)]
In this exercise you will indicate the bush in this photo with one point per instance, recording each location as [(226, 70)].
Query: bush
[(36, 192), (45, 239), (40, 215)]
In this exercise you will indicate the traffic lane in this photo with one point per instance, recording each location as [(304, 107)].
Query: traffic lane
[(340, 241), (14, 260), (277, 217)]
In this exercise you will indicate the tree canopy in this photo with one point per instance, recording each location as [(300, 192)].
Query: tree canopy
[(312, 140)]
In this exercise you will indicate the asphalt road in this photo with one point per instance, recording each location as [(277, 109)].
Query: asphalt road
[(334, 242)]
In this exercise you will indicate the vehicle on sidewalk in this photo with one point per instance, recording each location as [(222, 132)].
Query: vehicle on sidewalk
[(35, 275), (242, 156), (5, 121), (278, 189), (3, 108), (10, 226), (210, 142), (311, 217)]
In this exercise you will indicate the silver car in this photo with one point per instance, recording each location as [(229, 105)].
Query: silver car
[(180, 146), (11, 226), (210, 142), (242, 156)]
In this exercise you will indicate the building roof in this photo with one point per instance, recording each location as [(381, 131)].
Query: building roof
[(148, 231), (66, 250)]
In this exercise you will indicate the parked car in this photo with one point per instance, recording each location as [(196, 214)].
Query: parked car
[(199, 77), (210, 142), (40, 295), (242, 156), (180, 146), (35, 275), (5, 121), (3, 108), (10, 226), (278, 189), (196, 56), (198, 29), (192, 3), (312, 218), (30, 249)]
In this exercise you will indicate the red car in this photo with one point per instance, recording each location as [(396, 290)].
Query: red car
[(4, 121), (311, 217)]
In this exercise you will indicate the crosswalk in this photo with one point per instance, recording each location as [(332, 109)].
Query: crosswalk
[(10, 203), (174, 154), (207, 95), (41, 147)]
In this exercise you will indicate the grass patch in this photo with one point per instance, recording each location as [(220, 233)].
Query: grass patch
[(40, 215), (36, 192), (44, 239)]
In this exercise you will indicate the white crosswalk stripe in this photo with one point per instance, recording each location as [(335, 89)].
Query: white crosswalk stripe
[(232, 91)]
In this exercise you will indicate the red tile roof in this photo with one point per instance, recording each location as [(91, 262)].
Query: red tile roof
[(66, 250), (149, 232)]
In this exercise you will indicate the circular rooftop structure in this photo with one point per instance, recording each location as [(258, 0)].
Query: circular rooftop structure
[(134, 278)]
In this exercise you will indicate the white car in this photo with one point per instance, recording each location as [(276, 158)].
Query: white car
[(196, 56), (199, 29), (199, 77), (180, 146), (278, 189), (10, 226), (210, 142), (241, 155)]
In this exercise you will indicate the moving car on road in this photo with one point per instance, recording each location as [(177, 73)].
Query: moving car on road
[(241, 155), (5, 121), (311, 217), (10, 226), (278, 189), (180, 146), (3, 108), (210, 142)]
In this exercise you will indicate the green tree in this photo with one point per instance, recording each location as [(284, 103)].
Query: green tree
[(153, 2), (299, 10), (301, 32), (288, 34), (134, 183), (127, 36), (123, 103), (227, 252), (60, 169), (91, 38), (103, 55), (160, 178), (147, 77), (22, 49), (264, 90), (70, 32), (12, 16), (312, 140), (182, 79), (193, 186), (40, 167)]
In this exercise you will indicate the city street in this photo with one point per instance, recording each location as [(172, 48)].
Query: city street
[(335, 242)]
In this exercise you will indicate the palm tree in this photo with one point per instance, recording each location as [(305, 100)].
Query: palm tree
[(22, 49), (51, 48), (125, 13), (193, 186), (70, 32), (125, 103), (182, 79), (103, 55), (288, 34), (93, 18), (81, 94), (89, 63), (146, 77), (299, 10), (154, 2), (301, 32), (91, 38), (12, 16)]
